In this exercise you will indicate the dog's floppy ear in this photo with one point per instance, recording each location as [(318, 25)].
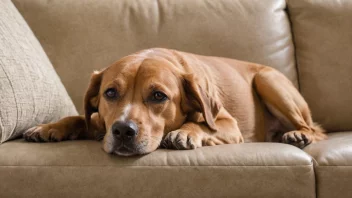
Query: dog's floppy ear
[(199, 100), (91, 98)]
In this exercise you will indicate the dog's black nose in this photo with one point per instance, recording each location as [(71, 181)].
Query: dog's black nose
[(125, 130)]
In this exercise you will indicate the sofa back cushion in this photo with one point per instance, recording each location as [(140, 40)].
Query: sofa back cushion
[(31, 93), (80, 37), (323, 39)]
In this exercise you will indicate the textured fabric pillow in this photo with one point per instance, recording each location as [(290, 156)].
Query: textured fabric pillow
[(30, 90)]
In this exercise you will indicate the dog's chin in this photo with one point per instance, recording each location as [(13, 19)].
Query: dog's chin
[(124, 154), (124, 151), (114, 147)]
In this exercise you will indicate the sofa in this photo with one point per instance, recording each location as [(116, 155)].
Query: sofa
[(309, 41)]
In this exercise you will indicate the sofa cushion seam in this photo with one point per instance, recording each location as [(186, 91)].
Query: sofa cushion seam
[(311, 165)]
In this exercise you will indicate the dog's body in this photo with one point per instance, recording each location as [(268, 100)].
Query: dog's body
[(184, 101)]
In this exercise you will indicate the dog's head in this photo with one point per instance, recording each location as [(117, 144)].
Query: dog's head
[(141, 98)]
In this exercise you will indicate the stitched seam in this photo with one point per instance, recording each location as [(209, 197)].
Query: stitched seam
[(333, 166), (294, 46), (295, 166), (315, 178)]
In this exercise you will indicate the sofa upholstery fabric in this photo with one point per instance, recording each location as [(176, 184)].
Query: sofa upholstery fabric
[(83, 169), (335, 151), (31, 93), (323, 39), (82, 37), (334, 165)]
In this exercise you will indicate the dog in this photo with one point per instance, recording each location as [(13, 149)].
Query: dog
[(177, 100)]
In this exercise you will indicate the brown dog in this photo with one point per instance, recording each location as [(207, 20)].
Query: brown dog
[(160, 97)]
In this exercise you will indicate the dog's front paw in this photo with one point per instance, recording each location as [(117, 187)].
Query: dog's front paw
[(45, 133), (299, 139), (181, 140)]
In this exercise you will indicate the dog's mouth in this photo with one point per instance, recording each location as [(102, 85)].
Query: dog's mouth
[(124, 151), (115, 146)]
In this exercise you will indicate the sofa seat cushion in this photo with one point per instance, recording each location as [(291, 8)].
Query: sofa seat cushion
[(83, 169), (335, 151), (334, 165)]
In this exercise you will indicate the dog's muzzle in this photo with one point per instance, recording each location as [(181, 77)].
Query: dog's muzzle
[(124, 134)]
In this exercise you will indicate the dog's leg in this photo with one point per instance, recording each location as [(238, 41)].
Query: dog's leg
[(69, 128), (286, 104), (195, 134)]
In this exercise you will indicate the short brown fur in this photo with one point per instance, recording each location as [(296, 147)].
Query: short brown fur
[(211, 101)]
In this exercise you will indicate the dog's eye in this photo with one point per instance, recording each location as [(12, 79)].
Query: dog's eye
[(159, 96), (111, 93)]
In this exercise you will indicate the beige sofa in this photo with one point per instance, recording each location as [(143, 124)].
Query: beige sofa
[(309, 41)]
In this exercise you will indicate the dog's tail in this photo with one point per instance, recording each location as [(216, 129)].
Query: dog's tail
[(318, 132)]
